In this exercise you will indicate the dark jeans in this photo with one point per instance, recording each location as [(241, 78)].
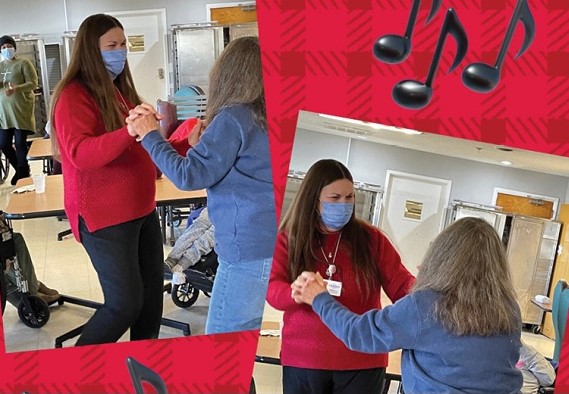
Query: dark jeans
[(318, 381), (18, 157), (129, 261)]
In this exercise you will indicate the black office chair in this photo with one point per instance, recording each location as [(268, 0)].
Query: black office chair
[(140, 373), (56, 170)]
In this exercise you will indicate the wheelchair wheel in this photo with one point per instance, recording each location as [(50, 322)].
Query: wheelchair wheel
[(184, 295), (39, 311), (4, 168)]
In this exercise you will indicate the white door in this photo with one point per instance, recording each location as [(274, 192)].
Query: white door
[(413, 213), (146, 35)]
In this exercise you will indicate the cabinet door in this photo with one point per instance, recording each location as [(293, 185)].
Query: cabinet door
[(523, 250), (561, 266), (195, 51)]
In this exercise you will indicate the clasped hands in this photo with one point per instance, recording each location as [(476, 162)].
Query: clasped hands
[(307, 286), (143, 119)]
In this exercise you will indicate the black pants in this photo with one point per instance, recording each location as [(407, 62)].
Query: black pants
[(18, 157), (318, 381), (129, 261)]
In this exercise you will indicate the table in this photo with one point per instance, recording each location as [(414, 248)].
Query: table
[(546, 306), (31, 205), (269, 348), (41, 150)]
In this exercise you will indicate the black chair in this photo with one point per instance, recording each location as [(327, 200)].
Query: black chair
[(140, 373), (56, 170), (391, 378)]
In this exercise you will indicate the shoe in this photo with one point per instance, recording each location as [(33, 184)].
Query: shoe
[(46, 290), (21, 172), (49, 299)]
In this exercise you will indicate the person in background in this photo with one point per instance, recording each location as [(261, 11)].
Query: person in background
[(17, 101), (460, 326), (196, 241), (320, 233), (231, 161), (109, 183), (28, 272), (537, 371)]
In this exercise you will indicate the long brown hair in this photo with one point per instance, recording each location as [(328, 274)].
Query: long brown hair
[(466, 264), (87, 67), (236, 78), (302, 224)]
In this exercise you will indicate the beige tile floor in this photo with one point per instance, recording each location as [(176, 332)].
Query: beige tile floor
[(64, 265)]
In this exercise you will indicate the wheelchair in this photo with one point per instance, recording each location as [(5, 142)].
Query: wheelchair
[(33, 311), (199, 277), (4, 168)]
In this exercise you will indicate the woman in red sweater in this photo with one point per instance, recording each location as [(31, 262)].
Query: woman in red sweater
[(109, 183), (320, 233)]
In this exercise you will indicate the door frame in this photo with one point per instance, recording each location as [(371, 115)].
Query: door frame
[(391, 174), (161, 13), (518, 193), (209, 7)]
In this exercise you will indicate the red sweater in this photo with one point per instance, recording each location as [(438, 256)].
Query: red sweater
[(108, 178), (306, 341)]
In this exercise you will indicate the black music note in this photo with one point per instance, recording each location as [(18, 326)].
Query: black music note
[(413, 94), (140, 373), (393, 48), (482, 77)]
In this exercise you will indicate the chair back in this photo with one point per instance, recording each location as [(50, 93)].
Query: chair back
[(169, 122), (559, 309), (140, 373)]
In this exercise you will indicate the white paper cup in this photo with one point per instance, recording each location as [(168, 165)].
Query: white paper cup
[(39, 182)]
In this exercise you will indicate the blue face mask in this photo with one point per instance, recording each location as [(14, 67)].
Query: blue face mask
[(336, 215), (114, 61), (8, 53)]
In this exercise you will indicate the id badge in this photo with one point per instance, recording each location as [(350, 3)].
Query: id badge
[(334, 287)]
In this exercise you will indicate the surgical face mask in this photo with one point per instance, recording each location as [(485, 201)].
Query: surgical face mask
[(8, 53), (335, 215), (114, 61)]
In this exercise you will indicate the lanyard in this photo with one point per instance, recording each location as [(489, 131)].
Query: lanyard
[(123, 105)]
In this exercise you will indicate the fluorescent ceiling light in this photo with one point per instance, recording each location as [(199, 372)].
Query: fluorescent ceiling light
[(353, 121), (375, 126), (402, 130)]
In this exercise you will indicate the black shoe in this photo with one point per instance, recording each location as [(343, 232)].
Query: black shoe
[(21, 172)]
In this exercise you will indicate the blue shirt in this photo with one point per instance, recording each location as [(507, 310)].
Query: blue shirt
[(432, 360), (232, 162)]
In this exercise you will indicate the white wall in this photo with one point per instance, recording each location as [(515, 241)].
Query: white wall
[(47, 17), (471, 181)]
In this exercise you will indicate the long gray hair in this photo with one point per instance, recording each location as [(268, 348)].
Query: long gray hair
[(467, 265), (236, 78)]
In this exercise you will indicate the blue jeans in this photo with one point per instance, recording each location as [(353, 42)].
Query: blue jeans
[(128, 258), (238, 296)]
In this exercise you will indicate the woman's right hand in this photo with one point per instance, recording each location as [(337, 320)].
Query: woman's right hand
[(10, 89)]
